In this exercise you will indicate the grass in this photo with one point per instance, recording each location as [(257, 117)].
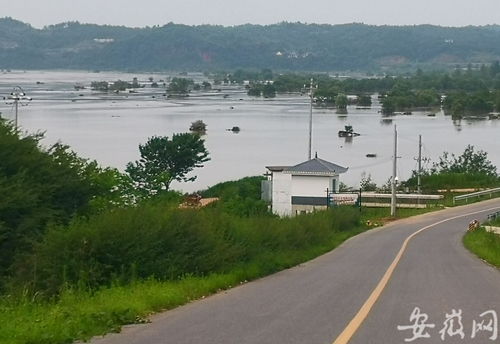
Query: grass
[(81, 314), (449, 199), (484, 244)]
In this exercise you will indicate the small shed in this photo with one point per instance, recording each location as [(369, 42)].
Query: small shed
[(302, 188)]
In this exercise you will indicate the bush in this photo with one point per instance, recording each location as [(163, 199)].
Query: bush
[(240, 197), (40, 186), (166, 243), (446, 181)]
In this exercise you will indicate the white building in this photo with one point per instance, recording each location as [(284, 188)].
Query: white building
[(301, 188)]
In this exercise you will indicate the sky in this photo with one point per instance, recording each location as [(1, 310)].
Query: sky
[(140, 13)]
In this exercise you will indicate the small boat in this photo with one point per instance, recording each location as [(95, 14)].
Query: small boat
[(234, 129), (371, 155), (431, 115), (348, 132)]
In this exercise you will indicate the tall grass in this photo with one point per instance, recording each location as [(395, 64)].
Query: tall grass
[(97, 274), (484, 244), (151, 241), (119, 267)]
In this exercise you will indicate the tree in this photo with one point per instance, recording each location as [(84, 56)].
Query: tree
[(164, 160), (180, 85), (470, 162), (366, 183), (268, 91), (388, 106), (255, 90), (41, 186), (364, 100), (198, 126), (341, 101), (102, 86)]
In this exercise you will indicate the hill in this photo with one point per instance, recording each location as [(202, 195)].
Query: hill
[(284, 46)]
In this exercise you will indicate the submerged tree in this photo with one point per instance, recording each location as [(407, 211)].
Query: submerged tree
[(341, 101), (180, 86), (198, 127), (164, 160)]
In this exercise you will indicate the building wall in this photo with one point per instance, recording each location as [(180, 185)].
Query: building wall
[(312, 186), (282, 194)]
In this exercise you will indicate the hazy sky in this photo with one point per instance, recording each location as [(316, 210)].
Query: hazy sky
[(234, 12)]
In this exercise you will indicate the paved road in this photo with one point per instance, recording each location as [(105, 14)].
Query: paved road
[(314, 302)]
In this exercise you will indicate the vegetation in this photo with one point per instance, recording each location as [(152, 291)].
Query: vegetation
[(284, 46), (470, 162), (198, 126), (485, 245), (164, 160), (460, 103), (402, 98), (247, 249), (364, 100), (341, 101), (88, 258), (471, 169), (180, 86), (460, 92), (266, 90), (367, 184), (241, 197), (41, 186), (118, 85)]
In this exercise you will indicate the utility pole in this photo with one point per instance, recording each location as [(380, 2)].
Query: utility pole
[(419, 183), (394, 172), (15, 97), (311, 94)]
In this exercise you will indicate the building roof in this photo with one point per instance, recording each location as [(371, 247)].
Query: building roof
[(314, 166), (277, 168)]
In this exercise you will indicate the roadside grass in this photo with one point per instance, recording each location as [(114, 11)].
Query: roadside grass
[(448, 199), (495, 222), (79, 313), (82, 314), (484, 244)]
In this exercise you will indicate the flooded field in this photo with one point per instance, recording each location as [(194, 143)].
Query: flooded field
[(109, 127)]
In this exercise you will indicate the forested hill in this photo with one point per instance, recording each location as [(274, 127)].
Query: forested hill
[(284, 46)]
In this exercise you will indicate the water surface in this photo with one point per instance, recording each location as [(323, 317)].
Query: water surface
[(109, 127)]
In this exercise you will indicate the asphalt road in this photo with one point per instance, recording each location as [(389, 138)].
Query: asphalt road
[(316, 302)]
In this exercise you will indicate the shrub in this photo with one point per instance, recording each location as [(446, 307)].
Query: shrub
[(152, 240)]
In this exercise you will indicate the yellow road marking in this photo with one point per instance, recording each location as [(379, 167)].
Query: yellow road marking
[(363, 312)]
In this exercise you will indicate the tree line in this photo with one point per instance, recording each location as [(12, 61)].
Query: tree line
[(470, 90), (283, 46)]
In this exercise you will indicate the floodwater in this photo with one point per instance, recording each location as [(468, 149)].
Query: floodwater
[(109, 127)]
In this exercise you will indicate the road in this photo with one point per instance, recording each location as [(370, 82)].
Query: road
[(359, 293)]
